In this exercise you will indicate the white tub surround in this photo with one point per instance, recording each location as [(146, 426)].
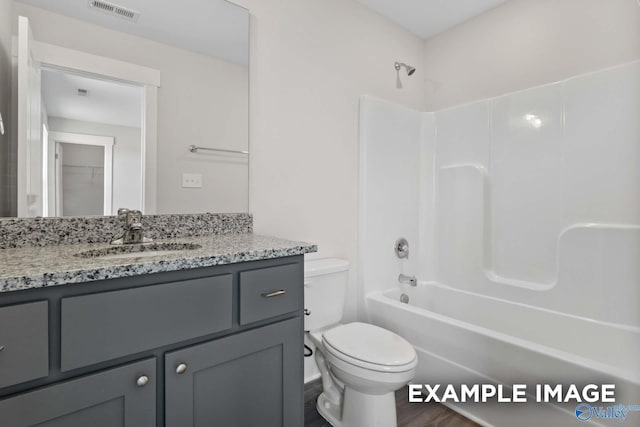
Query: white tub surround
[(522, 214)]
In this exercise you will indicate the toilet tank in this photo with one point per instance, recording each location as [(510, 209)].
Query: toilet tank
[(325, 286)]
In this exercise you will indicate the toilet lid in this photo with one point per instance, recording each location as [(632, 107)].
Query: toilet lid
[(370, 344)]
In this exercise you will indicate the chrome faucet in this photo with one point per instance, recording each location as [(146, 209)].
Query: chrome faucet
[(410, 280), (132, 232)]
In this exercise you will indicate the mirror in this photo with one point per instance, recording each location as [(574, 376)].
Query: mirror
[(134, 103)]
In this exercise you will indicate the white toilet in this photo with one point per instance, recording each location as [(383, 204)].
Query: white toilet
[(361, 365)]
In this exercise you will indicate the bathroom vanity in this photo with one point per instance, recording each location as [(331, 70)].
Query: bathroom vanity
[(208, 336)]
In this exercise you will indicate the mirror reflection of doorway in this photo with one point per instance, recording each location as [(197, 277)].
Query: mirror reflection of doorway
[(81, 175), (81, 187), (85, 116)]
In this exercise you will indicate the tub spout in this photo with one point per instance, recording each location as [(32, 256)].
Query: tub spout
[(410, 280)]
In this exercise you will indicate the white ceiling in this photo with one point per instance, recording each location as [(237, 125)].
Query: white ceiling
[(212, 27), (427, 18), (108, 102)]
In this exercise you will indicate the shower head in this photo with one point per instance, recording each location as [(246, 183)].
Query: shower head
[(409, 68), (410, 71)]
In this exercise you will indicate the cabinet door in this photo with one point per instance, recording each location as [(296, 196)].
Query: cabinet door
[(117, 397), (24, 343), (253, 378)]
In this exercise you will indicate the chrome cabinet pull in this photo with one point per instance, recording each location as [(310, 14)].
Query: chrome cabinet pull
[(181, 369), (142, 381), (274, 293), (1, 347)]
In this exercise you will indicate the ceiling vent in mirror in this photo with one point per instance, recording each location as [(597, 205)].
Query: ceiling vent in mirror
[(114, 9)]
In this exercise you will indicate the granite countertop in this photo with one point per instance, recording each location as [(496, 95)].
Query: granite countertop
[(43, 266)]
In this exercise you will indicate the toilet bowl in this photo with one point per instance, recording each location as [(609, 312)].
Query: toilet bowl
[(367, 364), (361, 365)]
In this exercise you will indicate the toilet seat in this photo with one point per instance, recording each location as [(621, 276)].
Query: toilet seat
[(370, 347)]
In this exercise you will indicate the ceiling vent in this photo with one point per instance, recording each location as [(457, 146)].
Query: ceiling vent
[(114, 10), (83, 92)]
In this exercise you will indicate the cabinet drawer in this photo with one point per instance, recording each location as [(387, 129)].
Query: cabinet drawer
[(270, 292), (124, 396), (104, 326), (24, 340)]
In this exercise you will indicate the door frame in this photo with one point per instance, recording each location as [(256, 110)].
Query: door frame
[(82, 139), (24, 65), (100, 67)]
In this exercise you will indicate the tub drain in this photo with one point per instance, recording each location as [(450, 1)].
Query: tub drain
[(404, 298)]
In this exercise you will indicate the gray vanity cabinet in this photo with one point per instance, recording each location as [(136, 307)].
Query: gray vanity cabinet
[(215, 346), (124, 396), (248, 379)]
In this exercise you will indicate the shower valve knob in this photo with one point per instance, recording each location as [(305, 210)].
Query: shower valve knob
[(402, 248)]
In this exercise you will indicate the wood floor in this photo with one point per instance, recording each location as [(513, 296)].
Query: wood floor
[(409, 414)]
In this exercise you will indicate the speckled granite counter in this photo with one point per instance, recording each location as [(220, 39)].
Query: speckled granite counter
[(43, 266), (25, 232)]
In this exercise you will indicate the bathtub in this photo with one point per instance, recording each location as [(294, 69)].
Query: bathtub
[(464, 337)]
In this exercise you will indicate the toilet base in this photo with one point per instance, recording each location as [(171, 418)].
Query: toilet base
[(360, 410), (329, 411)]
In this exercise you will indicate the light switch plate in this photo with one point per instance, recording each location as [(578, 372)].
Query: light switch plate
[(191, 180)]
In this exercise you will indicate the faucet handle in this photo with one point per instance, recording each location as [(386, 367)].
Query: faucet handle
[(401, 248), (122, 214), (134, 217), (132, 230)]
